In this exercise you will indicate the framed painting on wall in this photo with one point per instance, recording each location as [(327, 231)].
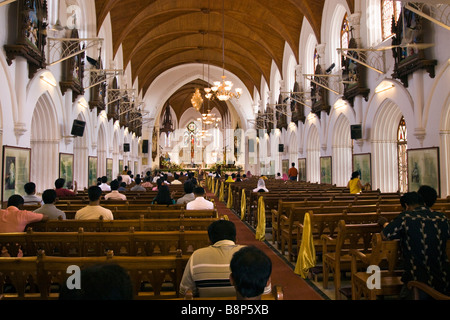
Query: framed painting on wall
[(423, 168), (66, 169), (325, 170), (120, 166), (284, 166), (16, 170), (109, 169), (92, 171), (302, 169), (363, 164)]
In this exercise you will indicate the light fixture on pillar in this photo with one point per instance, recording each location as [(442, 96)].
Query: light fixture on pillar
[(222, 89), (48, 80)]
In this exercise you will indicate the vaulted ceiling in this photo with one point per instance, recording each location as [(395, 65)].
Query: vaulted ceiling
[(157, 35)]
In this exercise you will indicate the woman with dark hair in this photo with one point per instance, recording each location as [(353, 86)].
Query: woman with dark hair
[(355, 184), (163, 196), (159, 183)]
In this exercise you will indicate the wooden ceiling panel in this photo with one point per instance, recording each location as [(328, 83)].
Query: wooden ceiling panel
[(157, 35)]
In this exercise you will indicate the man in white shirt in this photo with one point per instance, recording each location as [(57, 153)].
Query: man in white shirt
[(94, 211), (126, 178), (104, 186), (115, 194), (200, 203), (176, 179)]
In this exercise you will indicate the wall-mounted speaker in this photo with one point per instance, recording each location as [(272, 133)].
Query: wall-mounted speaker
[(356, 131), (126, 147), (281, 148), (78, 128), (144, 146)]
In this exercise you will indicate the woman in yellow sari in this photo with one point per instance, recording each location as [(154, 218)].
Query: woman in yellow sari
[(355, 184)]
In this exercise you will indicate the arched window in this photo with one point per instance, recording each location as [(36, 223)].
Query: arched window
[(345, 32), (402, 135), (389, 9)]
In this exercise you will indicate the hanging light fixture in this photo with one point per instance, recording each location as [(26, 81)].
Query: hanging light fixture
[(197, 100), (222, 89)]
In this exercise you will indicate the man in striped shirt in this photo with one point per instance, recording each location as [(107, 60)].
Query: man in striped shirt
[(207, 273)]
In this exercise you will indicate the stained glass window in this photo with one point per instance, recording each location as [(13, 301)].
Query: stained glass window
[(402, 135), (345, 32), (389, 9)]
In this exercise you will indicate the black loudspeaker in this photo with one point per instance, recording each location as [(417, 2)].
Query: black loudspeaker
[(144, 146), (281, 148), (78, 128), (126, 147), (356, 131)]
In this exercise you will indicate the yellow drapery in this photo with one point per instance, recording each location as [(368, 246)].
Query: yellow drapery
[(221, 193), (307, 254), (208, 183), (243, 205), (261, 227), (230, 198), (217, 188)]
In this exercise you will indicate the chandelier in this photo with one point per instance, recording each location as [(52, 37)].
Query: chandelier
[(209, 118), (222, 89), (197, 100)]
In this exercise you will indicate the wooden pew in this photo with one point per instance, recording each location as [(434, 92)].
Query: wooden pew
[(45, 275), (385, 255), (349, 237), (79, 244), (122, 213), (275, 294)]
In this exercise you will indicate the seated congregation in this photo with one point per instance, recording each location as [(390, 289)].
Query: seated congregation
[(176, 242)]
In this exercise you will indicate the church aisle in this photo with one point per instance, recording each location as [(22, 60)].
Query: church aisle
[(294, 287)]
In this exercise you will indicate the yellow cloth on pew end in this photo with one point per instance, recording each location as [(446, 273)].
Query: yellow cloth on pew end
[(217, 191), (243, 204), (230, 198), (261, 227), (221, 193), (307, 254)]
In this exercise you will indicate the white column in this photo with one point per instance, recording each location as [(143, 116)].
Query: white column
[(21, 93)]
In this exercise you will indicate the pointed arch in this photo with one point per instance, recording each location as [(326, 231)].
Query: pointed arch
[(313, 155), (80, 155), (342, 151), (44, 144), (384, 146)]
